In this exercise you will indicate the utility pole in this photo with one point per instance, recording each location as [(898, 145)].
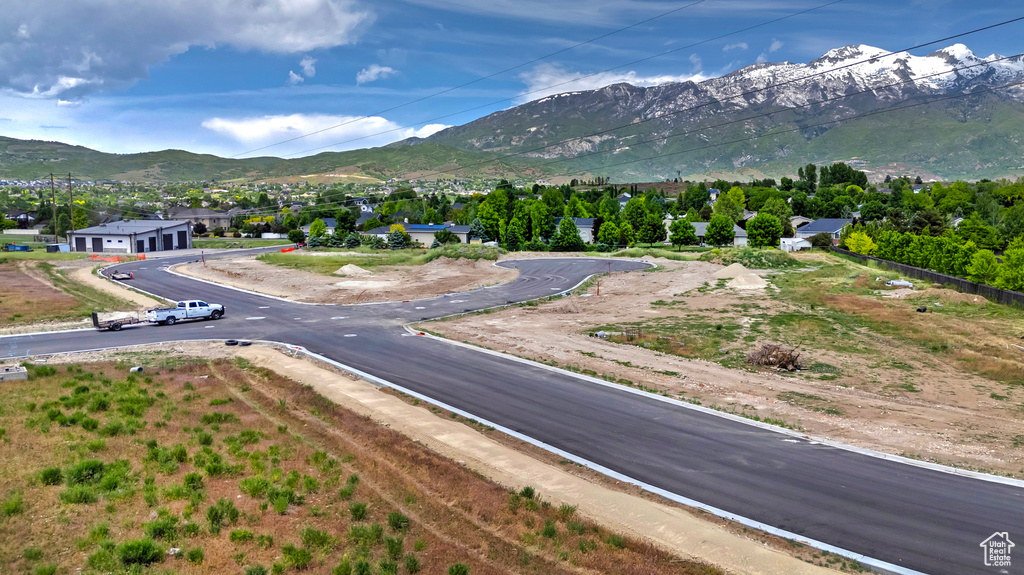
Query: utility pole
[(71, 207), (53, 198)]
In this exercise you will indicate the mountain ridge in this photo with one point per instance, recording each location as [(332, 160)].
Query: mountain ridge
[(823, 111)]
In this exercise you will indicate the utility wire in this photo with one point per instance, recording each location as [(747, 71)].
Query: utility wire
[(482, 78), (546, 88), (739, 95)]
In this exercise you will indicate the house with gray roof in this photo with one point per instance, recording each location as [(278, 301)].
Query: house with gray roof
[(831, 226)]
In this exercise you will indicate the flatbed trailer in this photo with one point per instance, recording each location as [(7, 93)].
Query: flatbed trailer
[(115, 320)]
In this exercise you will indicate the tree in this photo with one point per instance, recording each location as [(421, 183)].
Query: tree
[(1011, 272), (397, 238), (478, 231), (575, 208), (731, 204), (63, 225), (199, 228), (683, 233), (872, 211), (626, 234), (317, 229), (541, 223), (635, 212), (861, 243), (6, 224), (763, 230), (778, 208), (352, 240), (720, 230), (652, 230), (345, 220), (608, 234), (568, 237), (446, 236), (982, 234), (492, 217), (983, 267), (821, 240)]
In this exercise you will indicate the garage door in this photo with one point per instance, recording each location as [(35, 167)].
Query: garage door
[(168, 241), (97, 244), (79, 244), (182, 240)]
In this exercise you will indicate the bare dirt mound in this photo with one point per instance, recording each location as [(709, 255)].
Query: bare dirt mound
[(747, 281), (352, 270), (731, 271), (952, 296)]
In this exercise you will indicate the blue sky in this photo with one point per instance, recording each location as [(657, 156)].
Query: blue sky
[(228, 76)]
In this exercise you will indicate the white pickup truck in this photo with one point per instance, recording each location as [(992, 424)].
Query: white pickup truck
[(188, 309)]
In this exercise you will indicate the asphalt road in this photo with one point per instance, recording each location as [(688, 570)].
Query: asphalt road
[(914, 518)]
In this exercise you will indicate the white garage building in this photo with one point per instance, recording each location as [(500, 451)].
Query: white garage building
[(133, 237)]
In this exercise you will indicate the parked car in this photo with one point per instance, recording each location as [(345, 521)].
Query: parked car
[(188, 309)]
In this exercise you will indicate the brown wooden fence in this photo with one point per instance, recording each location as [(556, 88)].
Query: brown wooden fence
[(1002, 296)]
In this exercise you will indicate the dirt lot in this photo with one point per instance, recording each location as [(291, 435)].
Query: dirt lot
[(870, 380), (294, 481), (33, 299), (383, 283)]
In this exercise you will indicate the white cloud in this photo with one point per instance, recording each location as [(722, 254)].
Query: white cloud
[(329, 131), (308, 66), (549, 79), (373, 73), (294, 78), (736, 46), (695, 60), (53, 54), (774, 47)]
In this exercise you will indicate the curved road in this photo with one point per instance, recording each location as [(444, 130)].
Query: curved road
[(902, 518)]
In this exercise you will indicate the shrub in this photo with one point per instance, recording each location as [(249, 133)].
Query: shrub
[(458, 569), (112, 428), (387, 568), (358, 511), (88, 472), (103, 561), (549, 530), (397, 521), (79, 494), (297, 557), (96, 445), (394, 547), (193, 481), (221, 513), (164, 527), (527, 492), (254, 486), (190, 530), (205, 439), (217, 417), (140, 552), (310, 484), (264, 541), (317, 539), (362, 568), (45, 570), (343, 568), (195, 555), (32, 554), (255, 570), (617, 541), (51, 476), (240, 536), (412, 564)]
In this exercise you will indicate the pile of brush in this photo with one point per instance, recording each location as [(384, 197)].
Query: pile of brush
[(774, 355)]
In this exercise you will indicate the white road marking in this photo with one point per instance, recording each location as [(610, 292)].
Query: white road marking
[(264, 307), (298, 318), (256, 317), (209, 326), (349, 335), (554, 289), (339, 317), (420, 307), (457, 301)]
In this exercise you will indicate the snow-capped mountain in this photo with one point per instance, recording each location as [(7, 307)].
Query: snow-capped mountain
[(822, 111)]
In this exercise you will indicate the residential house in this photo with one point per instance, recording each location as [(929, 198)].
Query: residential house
[(133, 237), (423, 233), (584, 225), (209, 218), (799, 221), (331, 224), (23, 218), (739, 237), (831, 226)]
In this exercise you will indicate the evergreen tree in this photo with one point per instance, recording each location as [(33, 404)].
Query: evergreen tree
[(352, 240), (478, 231)]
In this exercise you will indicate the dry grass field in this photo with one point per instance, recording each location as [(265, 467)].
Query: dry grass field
[(220, 467)]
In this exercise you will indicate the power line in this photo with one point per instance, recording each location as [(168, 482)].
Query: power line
[(739, 95), (546, 88), (790, 109), (482, 78)]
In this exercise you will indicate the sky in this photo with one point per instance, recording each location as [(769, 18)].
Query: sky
[(238, 78)]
